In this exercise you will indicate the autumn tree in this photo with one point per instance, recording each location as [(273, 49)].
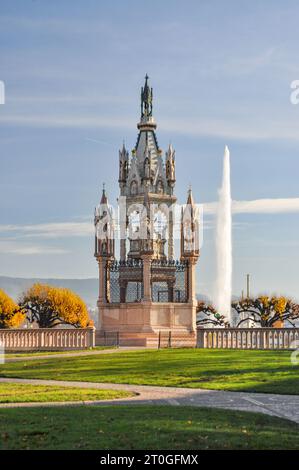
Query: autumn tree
[(266, 311), (208, 315), (50, 306), (11, 316)]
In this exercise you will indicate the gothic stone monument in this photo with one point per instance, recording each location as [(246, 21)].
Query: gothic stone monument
[(147, 297)]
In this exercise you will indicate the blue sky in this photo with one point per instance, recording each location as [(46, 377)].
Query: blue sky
[(221, 73)]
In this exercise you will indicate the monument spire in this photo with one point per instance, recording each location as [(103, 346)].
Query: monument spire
[(104, 199), (147, 291), (146, 99)]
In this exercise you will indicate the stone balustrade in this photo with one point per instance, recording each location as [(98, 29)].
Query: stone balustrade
[(48, 339), (248, 338)]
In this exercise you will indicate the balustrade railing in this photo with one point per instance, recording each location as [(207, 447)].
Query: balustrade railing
[(248, 338), (47, 339)]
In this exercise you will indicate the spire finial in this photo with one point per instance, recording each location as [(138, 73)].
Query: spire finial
[(190, 196), (104, 199), (146, 99)]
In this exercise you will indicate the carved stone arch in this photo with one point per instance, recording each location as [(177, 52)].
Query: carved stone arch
[(136, 215), (135, 207), (162, 207), (133, 174), (161, 220)]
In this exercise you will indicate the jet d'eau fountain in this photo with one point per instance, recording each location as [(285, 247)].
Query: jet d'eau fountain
[(224, 243)]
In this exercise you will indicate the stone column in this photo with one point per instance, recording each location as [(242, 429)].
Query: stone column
[(102, 287), (123, 290), (123, 226), (170, 235), (191, 280), (170, 285), (122, 249), (147, 294)]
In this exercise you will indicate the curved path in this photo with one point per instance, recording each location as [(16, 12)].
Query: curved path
[(283, 406)]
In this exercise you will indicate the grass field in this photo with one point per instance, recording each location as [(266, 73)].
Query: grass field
[(143, 427), (253, 371), (21, 393), (46, 353)]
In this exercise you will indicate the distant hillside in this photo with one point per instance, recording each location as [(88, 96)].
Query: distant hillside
[(86, 288)]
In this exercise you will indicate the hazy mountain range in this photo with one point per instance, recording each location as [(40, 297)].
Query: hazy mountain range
[(86, 288)]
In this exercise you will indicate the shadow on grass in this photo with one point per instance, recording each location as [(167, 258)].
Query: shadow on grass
[(144, 427)]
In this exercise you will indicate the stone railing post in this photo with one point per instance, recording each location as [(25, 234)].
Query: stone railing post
[(262, 340), (200, 337), (92, 337)]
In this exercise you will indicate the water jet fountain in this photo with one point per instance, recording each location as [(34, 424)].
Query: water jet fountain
[(224, 243)]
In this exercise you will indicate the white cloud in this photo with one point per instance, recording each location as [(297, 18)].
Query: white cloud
[(86, 228), (237, 128), (67, 98), (258, 206), (234, 128), (54, 25), (51, 230), (17, 237), (17, 248), (266, 206), (242, 65), (39, 120), (209, 224)]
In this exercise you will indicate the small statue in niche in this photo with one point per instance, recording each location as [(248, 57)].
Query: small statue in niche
[(146, 168), (160, 187)]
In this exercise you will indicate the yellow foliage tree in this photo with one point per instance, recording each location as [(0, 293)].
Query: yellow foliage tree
[(11, 316), (267, 311), (206, 314), (50, 306)]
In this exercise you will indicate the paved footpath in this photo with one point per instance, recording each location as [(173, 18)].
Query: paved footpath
[(283, 406)]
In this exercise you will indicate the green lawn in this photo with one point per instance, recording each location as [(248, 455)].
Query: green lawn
[(143, 427), (21, 393), (46, 353), (253, 371)]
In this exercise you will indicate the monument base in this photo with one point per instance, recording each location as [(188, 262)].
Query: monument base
[(147, 324)]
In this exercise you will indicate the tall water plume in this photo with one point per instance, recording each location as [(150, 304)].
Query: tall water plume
[(224, 243)]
